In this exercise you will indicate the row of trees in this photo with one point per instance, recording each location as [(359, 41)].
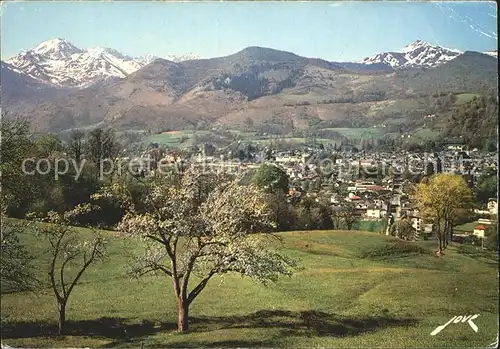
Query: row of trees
[(41, 193), (192, 226)]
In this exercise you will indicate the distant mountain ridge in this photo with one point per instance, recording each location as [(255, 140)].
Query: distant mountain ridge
[(260, 88), (60, 63)]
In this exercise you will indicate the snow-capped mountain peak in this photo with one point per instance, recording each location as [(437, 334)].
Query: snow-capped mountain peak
[(418, 44), (59, 62), (422, 45), (147, 59), (416, 54), (56, 49), (98, 51)]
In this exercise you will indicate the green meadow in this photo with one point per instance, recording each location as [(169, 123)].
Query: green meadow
[(353, 289)]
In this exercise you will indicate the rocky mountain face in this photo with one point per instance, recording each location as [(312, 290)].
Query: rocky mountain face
[(60, 63), (18, 88), (416, 54)]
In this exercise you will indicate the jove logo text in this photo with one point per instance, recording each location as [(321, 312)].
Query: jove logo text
[(456, 320)]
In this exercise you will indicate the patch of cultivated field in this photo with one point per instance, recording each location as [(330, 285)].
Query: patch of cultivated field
[(174, 139), (354, 289), (358, 133), (463, 98)]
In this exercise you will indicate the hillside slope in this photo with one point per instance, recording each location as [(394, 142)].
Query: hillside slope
[(268, 87)]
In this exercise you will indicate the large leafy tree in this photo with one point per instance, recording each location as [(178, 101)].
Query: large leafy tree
[(201, 225), (47, 145), (439, 199), (271, 179)]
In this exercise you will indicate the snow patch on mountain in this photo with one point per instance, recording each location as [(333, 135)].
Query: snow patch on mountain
[(493, 53)]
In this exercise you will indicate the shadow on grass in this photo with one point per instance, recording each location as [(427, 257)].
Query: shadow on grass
[(288, 323), (310, 323), (113, 328)]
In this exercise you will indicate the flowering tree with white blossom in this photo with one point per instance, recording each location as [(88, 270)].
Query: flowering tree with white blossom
[(203, 225), (68, 250)]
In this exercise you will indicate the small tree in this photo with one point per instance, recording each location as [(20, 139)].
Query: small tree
[(76, 145), (101, 144), (66, 247), (404, 229), (203, 225), (349, 215), (337, 217)]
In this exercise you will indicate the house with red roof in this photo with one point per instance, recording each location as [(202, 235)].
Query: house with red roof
[(479, 231), (353, 197)]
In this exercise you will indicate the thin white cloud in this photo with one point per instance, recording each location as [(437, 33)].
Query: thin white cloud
[(474, 25), (337, 4)]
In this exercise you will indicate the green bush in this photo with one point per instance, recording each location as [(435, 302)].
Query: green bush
[(393, 249)]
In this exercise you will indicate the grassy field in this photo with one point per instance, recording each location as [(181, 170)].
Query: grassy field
[(358, 133), (463, 98), (183, 139), (354, 289), (172, 139)]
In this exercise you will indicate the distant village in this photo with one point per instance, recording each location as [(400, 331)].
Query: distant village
[(377, 183)]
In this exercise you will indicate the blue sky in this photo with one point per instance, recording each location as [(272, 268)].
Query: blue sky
[(334, 31)]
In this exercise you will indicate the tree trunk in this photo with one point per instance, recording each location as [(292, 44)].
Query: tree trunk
[(62, 317), (445, 234), (451, 233), (183, 310), (439, 236)]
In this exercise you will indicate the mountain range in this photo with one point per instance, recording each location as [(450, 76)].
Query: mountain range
[(61, 87), (60, 63)]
